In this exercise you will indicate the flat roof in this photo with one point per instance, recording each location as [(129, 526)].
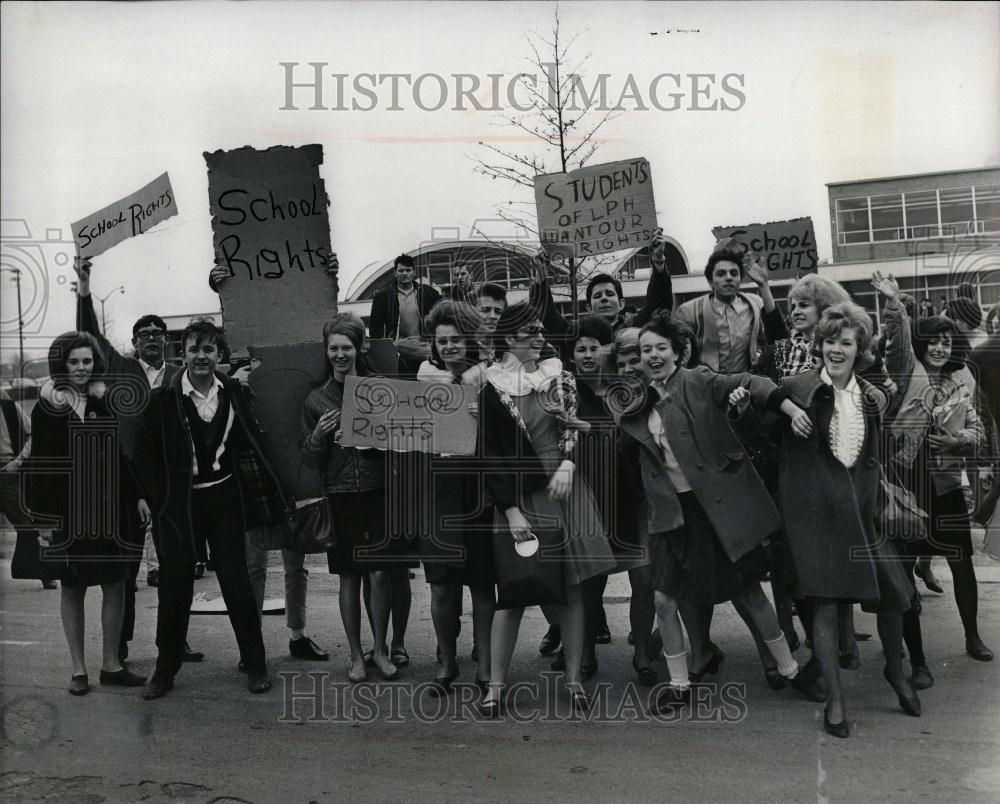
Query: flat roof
[(914, 175)]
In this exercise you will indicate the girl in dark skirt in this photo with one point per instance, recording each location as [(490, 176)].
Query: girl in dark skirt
[(935, 427), (73, 426), (457, 546), (354, 480), (708, 511), (829, 490)]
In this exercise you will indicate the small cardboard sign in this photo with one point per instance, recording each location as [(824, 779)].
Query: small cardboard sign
[(272, 231), (408, 416), (597, 209), (786, 249), (130, 217)]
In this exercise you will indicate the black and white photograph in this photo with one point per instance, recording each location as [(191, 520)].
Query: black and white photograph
[(499, 401)]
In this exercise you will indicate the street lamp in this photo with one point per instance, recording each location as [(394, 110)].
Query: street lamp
[(104, 323), (20, 318)]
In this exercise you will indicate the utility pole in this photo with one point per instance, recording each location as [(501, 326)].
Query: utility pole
[(104, 322), (20, 321)]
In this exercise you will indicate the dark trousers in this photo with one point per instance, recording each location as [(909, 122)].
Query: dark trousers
[(128, 615), (216, 516)]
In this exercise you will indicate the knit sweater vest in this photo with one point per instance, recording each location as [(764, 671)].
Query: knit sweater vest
[(212, 441)]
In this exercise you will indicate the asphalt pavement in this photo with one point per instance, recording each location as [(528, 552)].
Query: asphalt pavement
[(315, 737)]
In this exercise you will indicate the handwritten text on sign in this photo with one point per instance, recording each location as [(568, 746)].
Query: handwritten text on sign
[(596, 210), (785, 248), (408, 416), (271, 230), (129, 217)]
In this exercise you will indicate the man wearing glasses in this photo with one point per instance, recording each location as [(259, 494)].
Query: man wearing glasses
[(139, 374)]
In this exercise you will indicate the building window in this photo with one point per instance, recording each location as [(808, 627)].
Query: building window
[(957, 217), (887, 217), (988, 208), (852, 221), (921, 214)]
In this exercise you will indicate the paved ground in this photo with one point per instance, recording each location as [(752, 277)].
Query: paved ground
[(210, 741)]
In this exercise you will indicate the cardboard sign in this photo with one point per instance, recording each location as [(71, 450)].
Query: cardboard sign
[(280, 385), (786, 248), (130, 217), (271, 230), (596, 210), (408, 416)]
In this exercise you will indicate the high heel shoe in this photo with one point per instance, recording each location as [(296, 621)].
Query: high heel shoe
[(909, 703), (491, 708), (580, 702), (840, 729), (647, 675)]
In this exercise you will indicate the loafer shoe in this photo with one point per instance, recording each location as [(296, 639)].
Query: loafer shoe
[(921, 679), (157, 687), (305, 648), (121, 678), (551, 641), (79, 685), (191, 655), (258, 680)]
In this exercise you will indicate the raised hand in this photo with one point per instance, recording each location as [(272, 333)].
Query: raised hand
[(658, 254), (82, 266), (217, 276), (754, 271), (886, 284)]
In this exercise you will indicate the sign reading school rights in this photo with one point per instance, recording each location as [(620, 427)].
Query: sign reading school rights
[(786, 248), (272, 231), (596, 209), (129, 217), (408, 416)]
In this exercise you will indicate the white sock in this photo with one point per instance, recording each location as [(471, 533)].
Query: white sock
[(297, 633), (678, 667), (787, 666)]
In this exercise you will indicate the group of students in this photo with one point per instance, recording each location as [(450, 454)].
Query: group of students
[(701, 450)]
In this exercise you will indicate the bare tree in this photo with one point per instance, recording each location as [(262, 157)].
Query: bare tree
[(560, 130)]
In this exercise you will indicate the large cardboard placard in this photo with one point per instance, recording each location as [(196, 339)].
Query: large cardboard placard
[(272, 231), (408, 416), (785, 248), (129, 217), (596, 209)]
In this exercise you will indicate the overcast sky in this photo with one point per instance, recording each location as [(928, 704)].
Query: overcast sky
[(100, 98)]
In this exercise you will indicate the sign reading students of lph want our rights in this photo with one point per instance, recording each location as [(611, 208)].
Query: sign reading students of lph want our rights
[(272, 231), (596, 209), (786, 249), (408, 416), (131, 216)]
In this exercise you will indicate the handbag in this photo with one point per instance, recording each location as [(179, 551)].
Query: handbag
[(33, 560), (310, 527), (899, 515), (535, 580)]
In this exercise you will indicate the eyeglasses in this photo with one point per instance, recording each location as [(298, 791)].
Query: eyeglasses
[(151, 335), (529, 332)]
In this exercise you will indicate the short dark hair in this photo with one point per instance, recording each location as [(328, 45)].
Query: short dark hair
[(604, 279), (145, 321), (928, 328), (203, 329), (493, 291), (666, 326), (593, 326), (66, 343), (511, 320), (403, 259), (722, 256), (463, 317)]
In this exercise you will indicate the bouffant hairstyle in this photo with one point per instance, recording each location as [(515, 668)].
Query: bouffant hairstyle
[(463, 317), (837, 318), (930, 327), (59, 354), (353, 328), (593, 326), (512, 319), (822, 292)]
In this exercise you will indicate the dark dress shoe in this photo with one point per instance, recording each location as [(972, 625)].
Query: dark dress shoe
[(580, 702), (121, 678), (305, 648), (908, 700), (560, 663), (441, 686), (977, 650), (647, 675), (808, 684), (671, 698), (850, 660), (191, 655), (258, 680), (153, 577), (792, 639), (840, 729), (79, 685), (774, 679), (603, 636), (921, 679), (551, 641), (199, 571), (711, 668), (49, 585), (158, 686), (490, 709), (924, 572)]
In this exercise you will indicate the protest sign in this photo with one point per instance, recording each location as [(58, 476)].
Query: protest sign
[(785, 248), (129, 217), (408, 416), (271, 230), (596, 210)]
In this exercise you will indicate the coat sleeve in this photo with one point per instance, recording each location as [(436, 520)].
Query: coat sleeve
[(500, 480), (764, 394), (659, 296), (376, 322), (540, 298), (313, 451), (774, 325), (899, 357), (147, 461), (117, 365)]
